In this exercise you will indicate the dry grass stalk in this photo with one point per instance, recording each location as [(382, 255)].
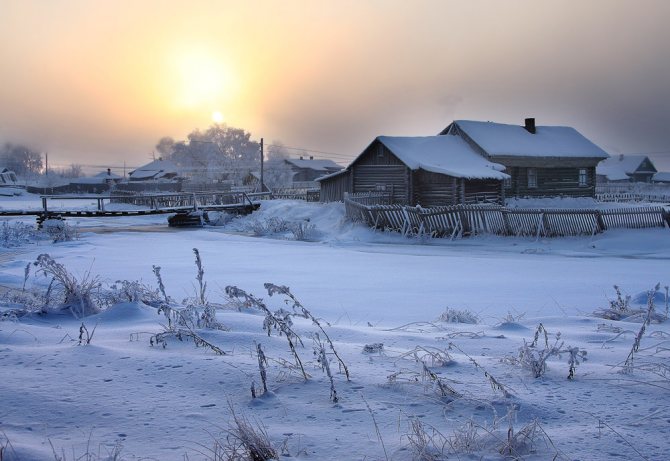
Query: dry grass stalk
[(280, 321), (297, 306)]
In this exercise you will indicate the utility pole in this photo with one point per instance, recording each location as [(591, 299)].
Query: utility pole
[(262, 155), (46, 164)]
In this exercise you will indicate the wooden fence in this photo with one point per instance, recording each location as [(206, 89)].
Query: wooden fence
[(464, 220), (633, 192)]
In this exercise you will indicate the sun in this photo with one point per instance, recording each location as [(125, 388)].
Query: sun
[(217, 117)]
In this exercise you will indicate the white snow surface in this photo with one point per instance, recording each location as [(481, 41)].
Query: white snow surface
[(499, 139), (448, 155), (371, 287)]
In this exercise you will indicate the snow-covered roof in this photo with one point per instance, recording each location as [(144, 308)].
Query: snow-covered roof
[(331, 175), (154, 170), (449, 155), (88, 180), (661, 176), (622, 166), (314, 164), (106, 175), (499, 139)]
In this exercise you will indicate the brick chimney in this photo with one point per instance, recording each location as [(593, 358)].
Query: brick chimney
[(529, 125)]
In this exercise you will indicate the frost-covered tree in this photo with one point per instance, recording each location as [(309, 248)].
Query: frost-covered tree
[(277, 172), (20, 159), (220, 152), (73, 171)]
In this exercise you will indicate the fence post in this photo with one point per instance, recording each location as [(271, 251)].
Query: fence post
[(600, 221), (508, 227), (545, 224), (465, 223), (406, 224), (666, 216)]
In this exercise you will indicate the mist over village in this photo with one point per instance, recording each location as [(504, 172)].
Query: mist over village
[(371, 230)]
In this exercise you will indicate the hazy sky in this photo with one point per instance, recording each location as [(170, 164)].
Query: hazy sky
[(99, 82)]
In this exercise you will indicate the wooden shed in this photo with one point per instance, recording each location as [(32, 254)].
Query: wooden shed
[(421, 170), (626, 168), (308, 169), (541, 160)]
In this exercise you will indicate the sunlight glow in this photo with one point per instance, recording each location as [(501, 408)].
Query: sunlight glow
[(217, 117), (202, 80)]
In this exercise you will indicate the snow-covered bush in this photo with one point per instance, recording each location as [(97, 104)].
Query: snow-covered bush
[(621, 309), (458, 316), (133, 291), (59, 231), (81, 297), (534, 358), (219, 218), (17, 233), (268, 226), (303, 230), (300, 230)]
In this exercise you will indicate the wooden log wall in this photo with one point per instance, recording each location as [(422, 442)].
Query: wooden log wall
[(551, 182), (334, 188)]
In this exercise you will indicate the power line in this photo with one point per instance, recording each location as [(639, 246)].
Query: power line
[(334, 154), (303, 148)]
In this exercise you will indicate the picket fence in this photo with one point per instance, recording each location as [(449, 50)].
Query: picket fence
[(465, 220)]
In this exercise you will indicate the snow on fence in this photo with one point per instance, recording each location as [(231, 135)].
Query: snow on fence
[(633, 192), (463, 220)]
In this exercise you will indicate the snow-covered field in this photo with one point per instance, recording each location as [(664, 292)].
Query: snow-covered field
[(121, 393)]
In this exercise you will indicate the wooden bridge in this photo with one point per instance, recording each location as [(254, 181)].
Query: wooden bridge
[(174, 203)]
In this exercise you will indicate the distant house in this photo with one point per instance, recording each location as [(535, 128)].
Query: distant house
[(662, 177), (540, 160), (8, 178), (309, 169), (427, 171), (101, 182), (628, 168), (9, 184), (157, 170)]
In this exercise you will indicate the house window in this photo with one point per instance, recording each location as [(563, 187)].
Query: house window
[(507, 183), (532, 178), (583, 178)]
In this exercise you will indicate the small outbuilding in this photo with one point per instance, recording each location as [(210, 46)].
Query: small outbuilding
[(626, 168), (101, 182), (420, 170), (157, 170), (308, 169), (8, 178), (662, 177)]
